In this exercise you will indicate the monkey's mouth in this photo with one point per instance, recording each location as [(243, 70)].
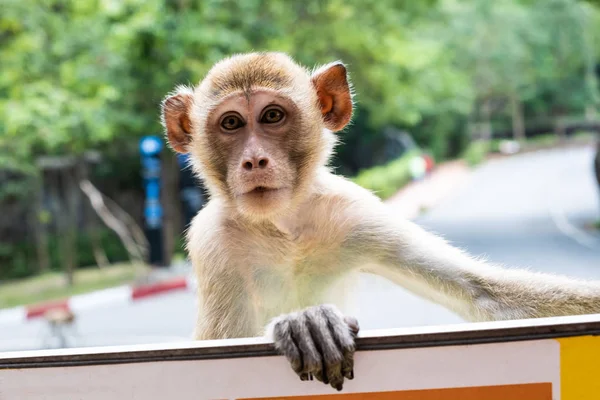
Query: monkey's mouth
[(262, 189), (261, 192)]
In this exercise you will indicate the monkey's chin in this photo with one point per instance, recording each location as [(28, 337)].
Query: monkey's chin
[(262, 202)]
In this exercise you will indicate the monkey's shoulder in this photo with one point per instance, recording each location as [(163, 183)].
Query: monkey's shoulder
[(329, 183), (340, 201)]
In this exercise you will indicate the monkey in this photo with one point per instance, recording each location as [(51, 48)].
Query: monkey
[(282, 235)]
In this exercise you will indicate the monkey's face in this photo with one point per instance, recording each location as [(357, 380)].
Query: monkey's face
[(254, 145), (258, 127)]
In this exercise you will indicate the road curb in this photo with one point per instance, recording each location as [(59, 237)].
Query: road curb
[(120, 294)]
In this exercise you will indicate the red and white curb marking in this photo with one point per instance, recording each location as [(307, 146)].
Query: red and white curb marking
[(84, 302)]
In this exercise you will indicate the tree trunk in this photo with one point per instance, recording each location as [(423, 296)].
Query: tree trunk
[(62, 221), (73, 205), (39, 226), (91, 227), (118, 224), (560, 130), (591, 77), (486, 114), (90, 221), (518, 123)]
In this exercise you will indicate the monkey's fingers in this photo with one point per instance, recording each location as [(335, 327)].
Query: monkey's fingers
[(319, 343), (353, 325), (312, 360), (344, 334), (348, 365), (320, 329), (287, 345)]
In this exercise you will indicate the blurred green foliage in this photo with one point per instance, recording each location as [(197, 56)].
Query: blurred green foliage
[(385, 180), (476, 152), (18, 258)]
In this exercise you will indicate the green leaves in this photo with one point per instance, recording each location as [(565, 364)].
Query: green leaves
[(82, 73)]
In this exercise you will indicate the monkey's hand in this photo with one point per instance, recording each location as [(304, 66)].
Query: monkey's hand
[(318, 342)]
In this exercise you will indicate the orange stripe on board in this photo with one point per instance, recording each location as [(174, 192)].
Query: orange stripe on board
[(531, 391)]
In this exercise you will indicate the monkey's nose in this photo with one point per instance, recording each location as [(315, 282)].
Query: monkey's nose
[(255, 162)]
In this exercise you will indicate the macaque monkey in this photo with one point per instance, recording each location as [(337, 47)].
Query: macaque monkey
[(282, 235)]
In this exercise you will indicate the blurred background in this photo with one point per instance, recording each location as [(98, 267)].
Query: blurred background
[(477, 119)]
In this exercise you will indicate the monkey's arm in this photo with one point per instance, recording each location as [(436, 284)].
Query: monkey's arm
[(224, 307), (224, 300), (428, 266)]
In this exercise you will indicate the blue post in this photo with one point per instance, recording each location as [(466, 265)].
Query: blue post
[(150, 148)]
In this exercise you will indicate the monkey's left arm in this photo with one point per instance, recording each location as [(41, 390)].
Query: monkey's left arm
[(428, 266)]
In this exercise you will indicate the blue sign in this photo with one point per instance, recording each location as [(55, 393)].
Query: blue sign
[(150, 145), (150, 148), (152, 190), (153, 213), (151, 168)]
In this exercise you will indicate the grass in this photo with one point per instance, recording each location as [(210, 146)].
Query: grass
[(548, 139), (386, 180), (476, 152), (52, 286), (551, 139)]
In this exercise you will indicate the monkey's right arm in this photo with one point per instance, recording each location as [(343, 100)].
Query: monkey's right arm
[(224, 304)]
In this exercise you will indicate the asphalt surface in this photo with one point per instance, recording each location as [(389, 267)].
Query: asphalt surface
[(527, 210)]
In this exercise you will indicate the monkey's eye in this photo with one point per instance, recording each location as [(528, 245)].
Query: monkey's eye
[(231, 122), (272, 116)]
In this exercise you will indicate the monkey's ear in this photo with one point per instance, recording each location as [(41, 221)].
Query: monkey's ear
[(335, 97), (176, 118)]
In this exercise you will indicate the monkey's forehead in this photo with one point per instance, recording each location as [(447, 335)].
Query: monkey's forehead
[(246, 71)]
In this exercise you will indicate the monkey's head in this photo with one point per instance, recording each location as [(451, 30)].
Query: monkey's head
[(258, 127)]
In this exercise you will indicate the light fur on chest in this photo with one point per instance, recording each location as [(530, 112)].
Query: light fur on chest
[(288, 275)]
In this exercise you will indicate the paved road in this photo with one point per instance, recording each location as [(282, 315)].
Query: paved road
[(520, 211)]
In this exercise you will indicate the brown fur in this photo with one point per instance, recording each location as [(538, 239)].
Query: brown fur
[(257, 258)]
